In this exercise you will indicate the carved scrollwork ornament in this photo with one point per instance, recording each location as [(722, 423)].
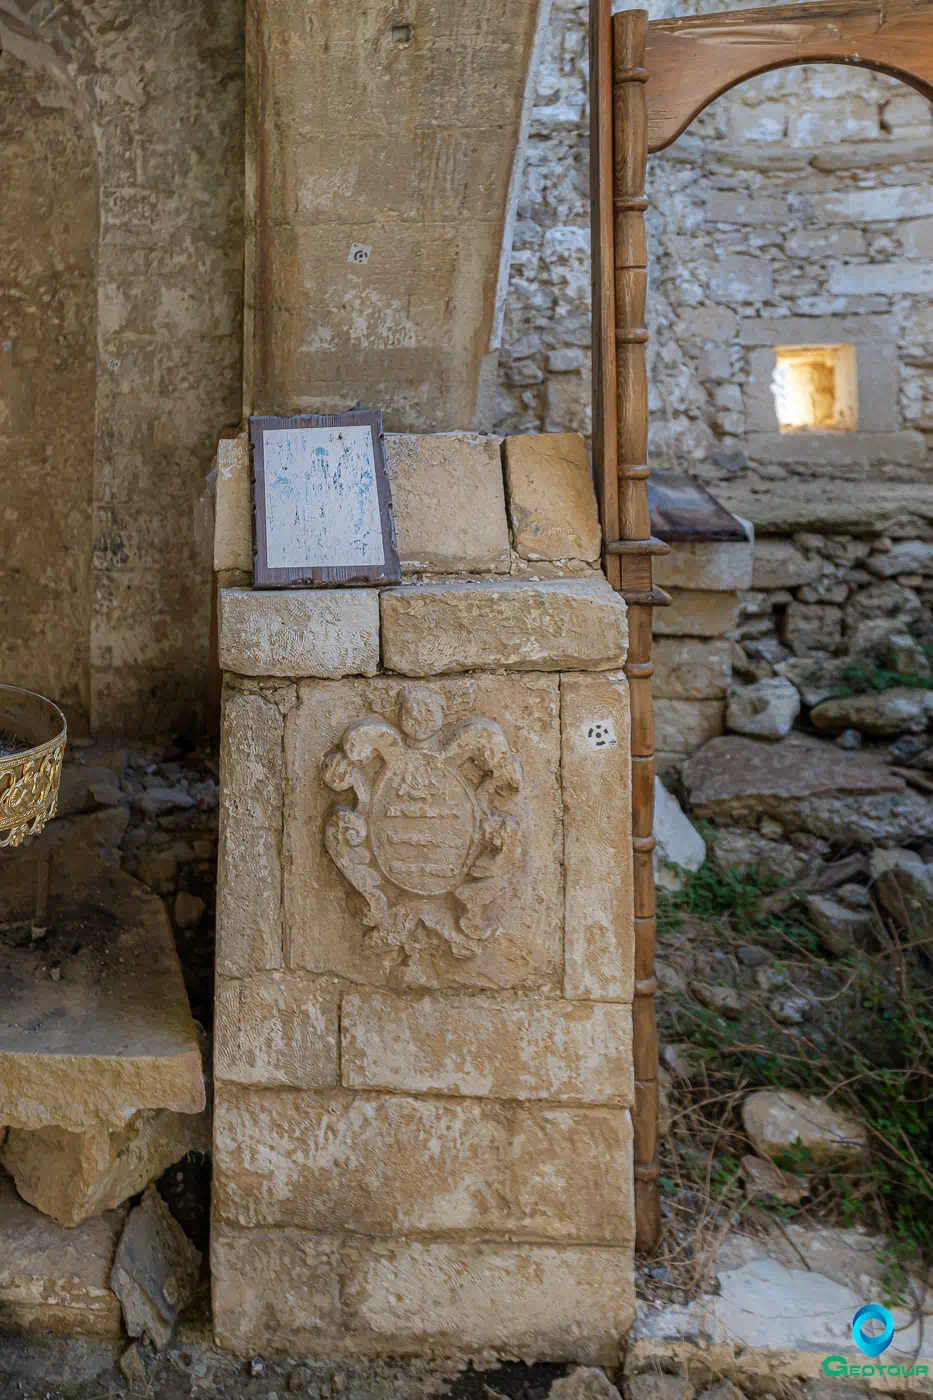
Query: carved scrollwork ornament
[(430, 841), (29, 792)]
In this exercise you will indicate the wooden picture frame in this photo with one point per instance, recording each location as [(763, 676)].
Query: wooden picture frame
[(307, 478)]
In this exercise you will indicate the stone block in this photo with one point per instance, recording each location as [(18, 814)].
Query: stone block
[(731, 207), (758, 395), (72, 1177), (56, 1280), (889, 279), (905, 557), (697, 613), (780, 564), (833, 506), (709, 566), (552, 500), (690, 669), (552, 625), (313, 1295), (596, 788), (277, 1029), (327, 632), (816, 330), (233, 514), (886, 204), (379, 1164), (449, 502), (249, 876), (737, 277), (916, 237), (360, 914), (680, 726), (113, 1034), (844, 450), (155, 1272), (812, 629), (478, 1047)]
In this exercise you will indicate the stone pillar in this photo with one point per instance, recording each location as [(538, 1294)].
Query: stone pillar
[(382, 149), (423, 1040)]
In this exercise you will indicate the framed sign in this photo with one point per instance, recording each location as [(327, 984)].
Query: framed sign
[(322, 505)]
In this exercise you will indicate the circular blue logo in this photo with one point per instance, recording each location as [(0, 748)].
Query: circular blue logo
[(872, 1312)]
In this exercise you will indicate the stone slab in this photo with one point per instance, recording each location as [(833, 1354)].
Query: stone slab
[(277, 1029), (449, 502), (552, 500), (113, 1033), (327, 632), (503, 1048), (691, 669), (715, 566), (52, 1279), (780, 564), (781, 1307), (697, 613), (313, 1295), (828, 450), (596, 776), (550, 625), (522, 898), (384, 1164), (233, 514), (834, 507)]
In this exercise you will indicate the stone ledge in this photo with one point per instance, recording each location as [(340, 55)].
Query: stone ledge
[(322, 632), (507, 1048), (553, 625), (826, 506), (332, 1296)]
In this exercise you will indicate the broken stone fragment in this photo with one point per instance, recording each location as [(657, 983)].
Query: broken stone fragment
[(584, 1383), (680, 847), (156, 1270), (842, 930), (778, 1121), (901, 882), (72, 1177), (766, 1182)]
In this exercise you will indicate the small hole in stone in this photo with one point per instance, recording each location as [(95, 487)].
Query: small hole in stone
[(401, 33)]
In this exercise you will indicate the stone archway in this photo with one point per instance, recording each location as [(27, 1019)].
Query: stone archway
[(48, 359)]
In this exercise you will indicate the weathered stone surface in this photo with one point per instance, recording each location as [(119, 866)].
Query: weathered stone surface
[(552, 502), (655, 1385), (327, 632), (380, 1164), (902, 507), (695, 613), (780, 564), (73, 1176), (553, 625), (233, 535), (326, 932), (905, 557), (595, 793), (53, 1279), (812, 628), (284, 1290), (680, 846), (841, 929), (902, 710), (715, 566), (584, 1383), (690, 669), (75, 789), (902, 883), (766, 1182), (477, 1047), (738, 849), (765, 710), (155, 1272), (277, 1028), (448, 501), (113, 1034), (249, 875), (778, 1120), (681, 726), (816, 680)]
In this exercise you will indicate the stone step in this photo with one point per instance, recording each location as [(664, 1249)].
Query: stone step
[(94, 1017)]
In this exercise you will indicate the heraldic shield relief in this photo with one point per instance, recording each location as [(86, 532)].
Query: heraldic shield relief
[(431, 841)]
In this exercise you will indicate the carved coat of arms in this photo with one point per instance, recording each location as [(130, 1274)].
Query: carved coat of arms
[(430, 840)]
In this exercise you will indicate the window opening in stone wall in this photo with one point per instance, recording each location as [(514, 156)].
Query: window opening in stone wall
[(815, 388)]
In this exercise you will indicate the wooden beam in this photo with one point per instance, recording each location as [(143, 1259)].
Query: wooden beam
[(694, 61)]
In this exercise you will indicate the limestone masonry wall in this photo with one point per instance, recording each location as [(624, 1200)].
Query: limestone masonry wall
[(424, 932)]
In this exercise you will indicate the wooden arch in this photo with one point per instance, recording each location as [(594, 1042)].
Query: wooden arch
[(647, 83)]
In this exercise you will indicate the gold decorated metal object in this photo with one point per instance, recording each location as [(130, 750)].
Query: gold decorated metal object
[(29, 779)]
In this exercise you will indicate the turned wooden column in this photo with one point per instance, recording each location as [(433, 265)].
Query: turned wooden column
[(619, 358)]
